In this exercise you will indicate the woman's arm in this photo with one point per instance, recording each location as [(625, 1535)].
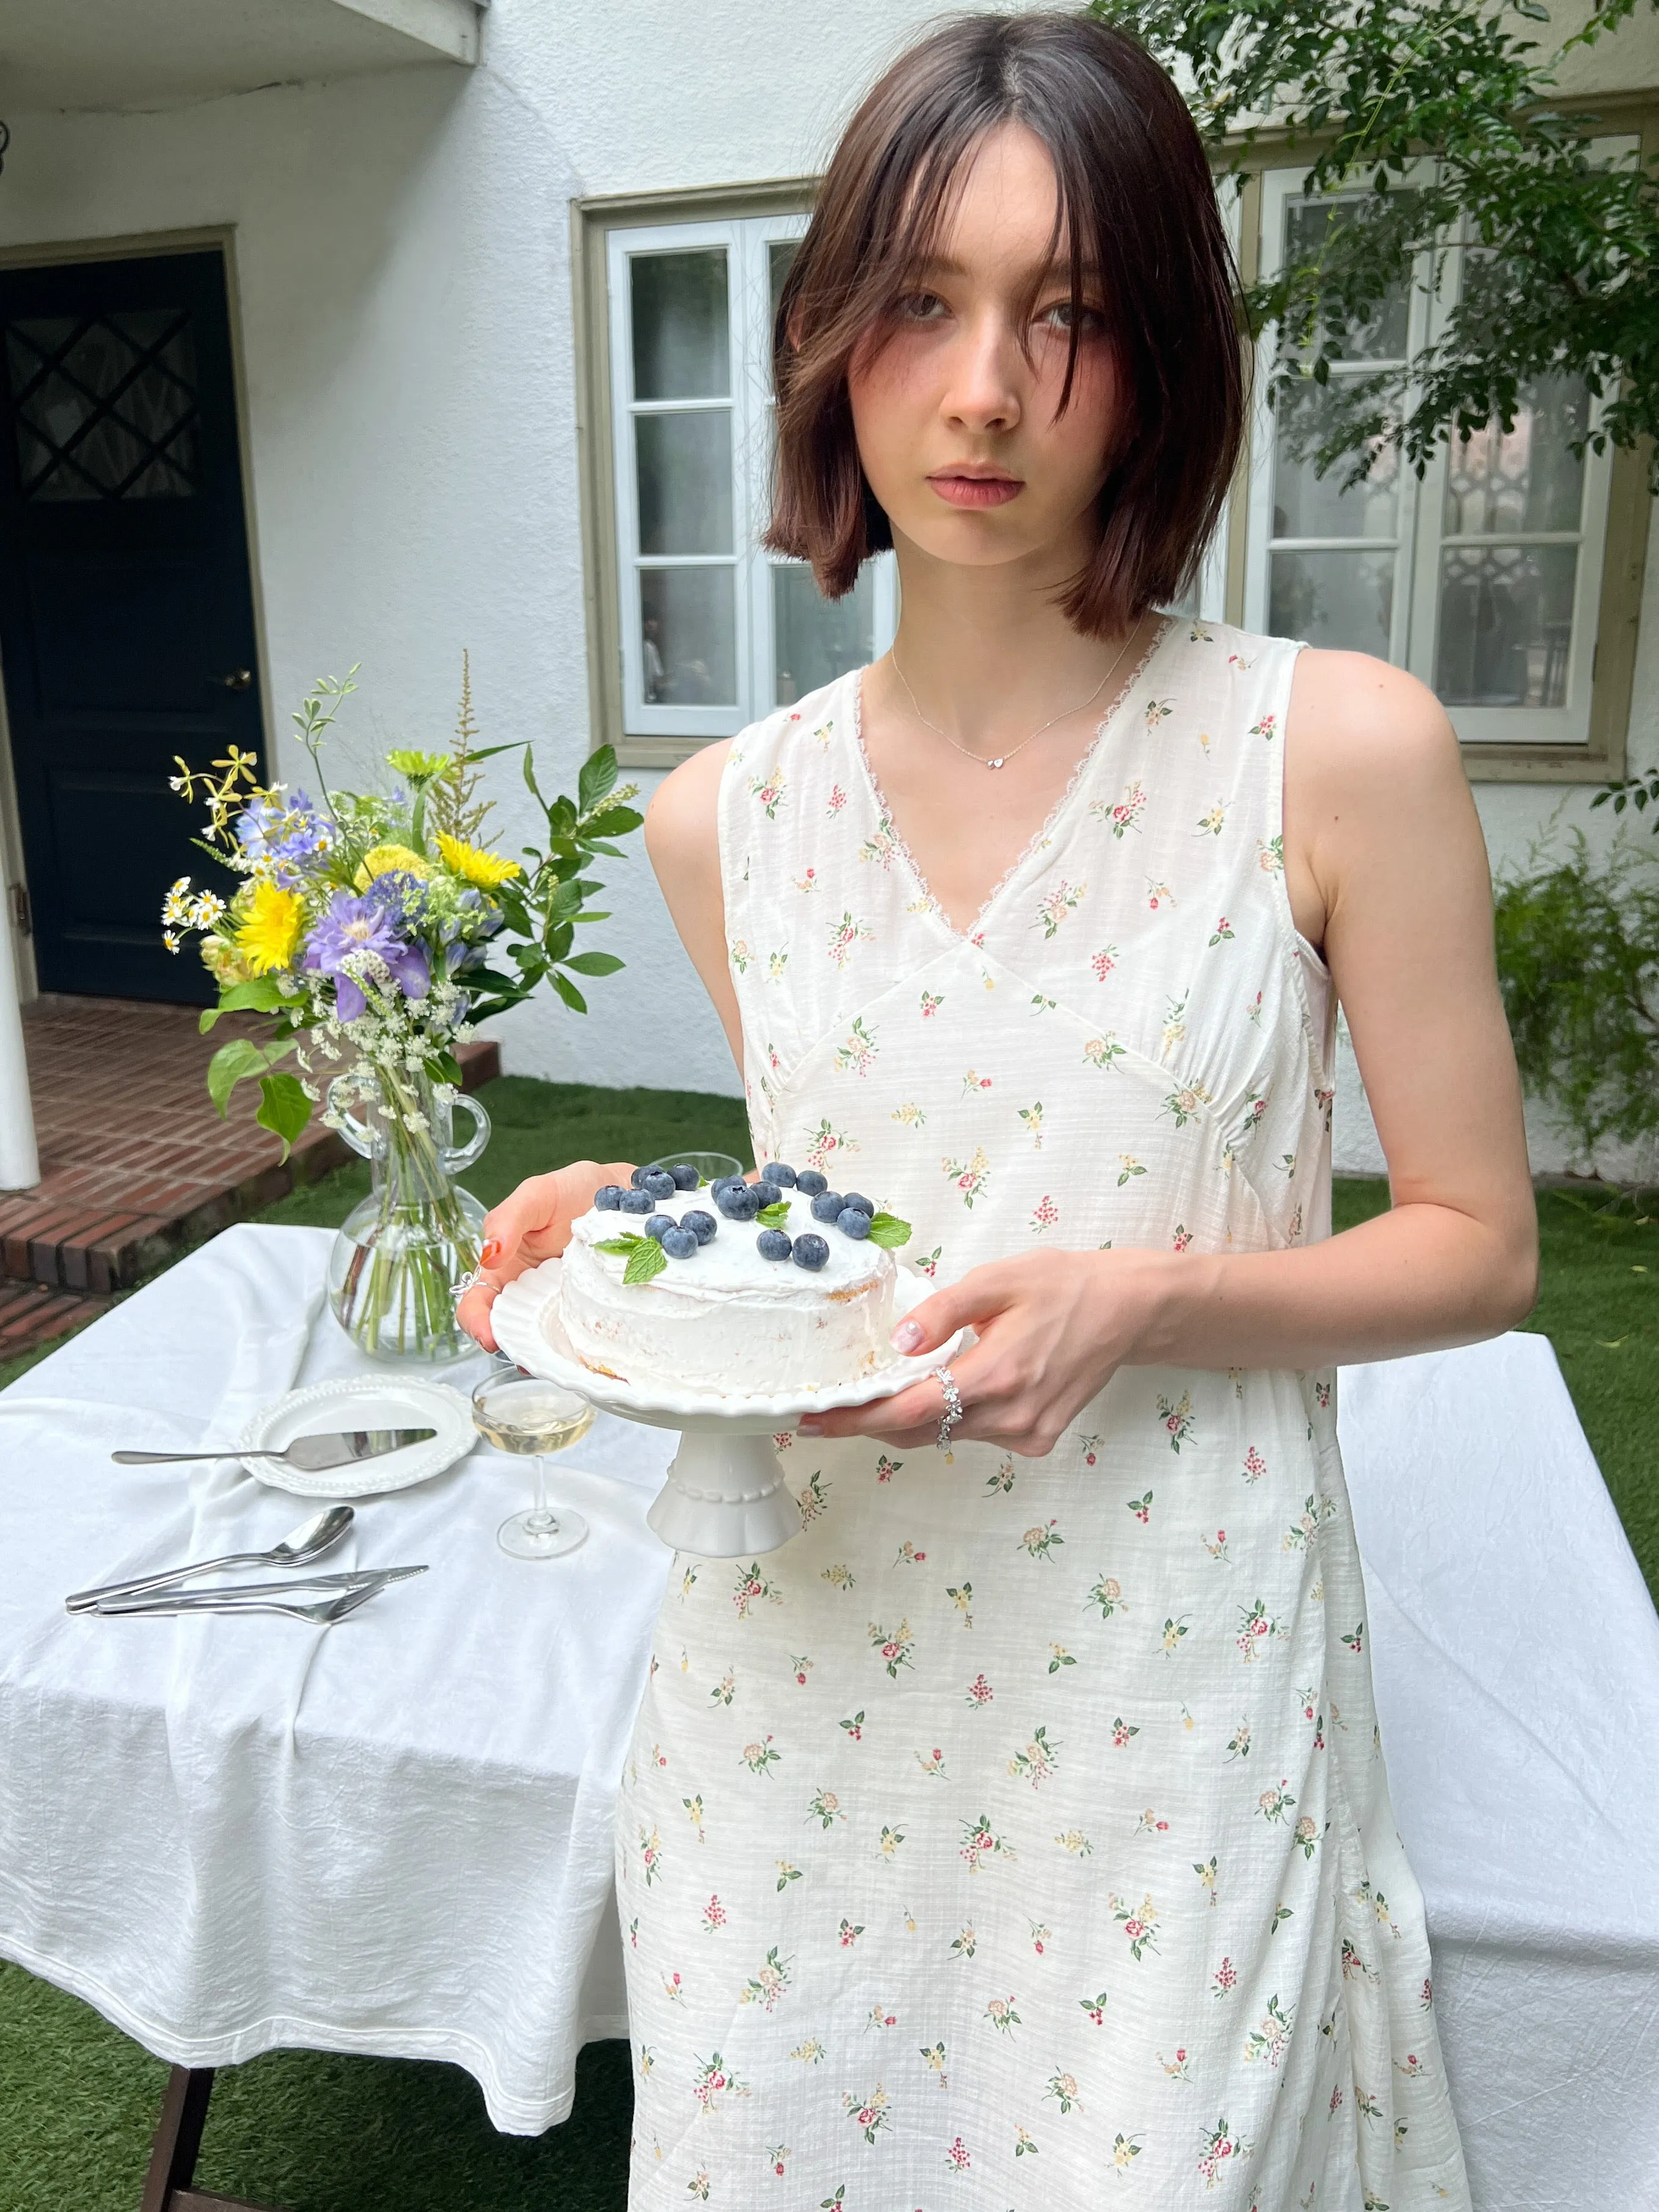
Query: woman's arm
[(682, 838), (1385, 863)]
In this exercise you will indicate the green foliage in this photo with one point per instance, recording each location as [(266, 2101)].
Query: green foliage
[(1636, 791), (888, 1231), (1578, 962), (1437, 113)]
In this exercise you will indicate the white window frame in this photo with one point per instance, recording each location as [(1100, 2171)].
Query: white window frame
[(746, 240), (1419, 536)]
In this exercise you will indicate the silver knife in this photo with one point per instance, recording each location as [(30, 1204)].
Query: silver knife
[(216, 1598), (309, 1454)]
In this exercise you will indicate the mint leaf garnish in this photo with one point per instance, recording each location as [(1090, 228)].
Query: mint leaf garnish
[(888, 1231), (648, 1260), (774, 1217), (622, 1246)]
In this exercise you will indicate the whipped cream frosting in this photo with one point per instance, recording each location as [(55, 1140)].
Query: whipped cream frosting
[(727, 1319)]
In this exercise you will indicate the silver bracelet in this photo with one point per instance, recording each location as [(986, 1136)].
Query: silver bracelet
[(953, 1408)]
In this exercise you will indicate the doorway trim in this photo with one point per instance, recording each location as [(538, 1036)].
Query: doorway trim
[(134, 246)]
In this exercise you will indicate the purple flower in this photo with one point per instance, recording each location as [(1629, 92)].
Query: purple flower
[(353, 926), (286, 833)]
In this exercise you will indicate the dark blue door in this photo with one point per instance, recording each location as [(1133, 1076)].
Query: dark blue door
[(127, 616)]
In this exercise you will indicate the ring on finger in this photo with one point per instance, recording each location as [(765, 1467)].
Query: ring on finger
[(953, 1409), (471, 1281)]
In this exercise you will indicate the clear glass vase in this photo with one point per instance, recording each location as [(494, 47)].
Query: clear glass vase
[(393, 1272)]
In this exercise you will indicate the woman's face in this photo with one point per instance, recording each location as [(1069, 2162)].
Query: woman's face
[(955, 412)]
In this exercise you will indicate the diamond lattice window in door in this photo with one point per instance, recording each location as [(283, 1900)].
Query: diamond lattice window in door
[(104, 405)]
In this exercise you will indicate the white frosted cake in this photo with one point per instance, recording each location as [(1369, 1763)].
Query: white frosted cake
[(723, 1316)]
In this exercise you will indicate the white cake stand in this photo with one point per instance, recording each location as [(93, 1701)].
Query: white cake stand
[(725, 1496)]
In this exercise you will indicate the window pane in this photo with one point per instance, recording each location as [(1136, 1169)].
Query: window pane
[(1343, 600), (1529, 479), (779, 257), (686, 481), (690, 636), (1310, 506), (681, 334), (1505, 625), (1382, 336), (815, 639)]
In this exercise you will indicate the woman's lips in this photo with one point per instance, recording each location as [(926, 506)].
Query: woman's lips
[(976, 491)]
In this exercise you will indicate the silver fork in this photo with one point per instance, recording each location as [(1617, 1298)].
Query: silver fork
[(323, 1611)]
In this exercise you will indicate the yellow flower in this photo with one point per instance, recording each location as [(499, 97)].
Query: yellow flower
[(388, 860), (270, 928), (488, 869)]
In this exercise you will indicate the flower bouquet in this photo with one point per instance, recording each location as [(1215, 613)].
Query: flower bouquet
[(366, 929)]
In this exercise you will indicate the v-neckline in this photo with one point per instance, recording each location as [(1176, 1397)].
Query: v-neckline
[(1041, 837)]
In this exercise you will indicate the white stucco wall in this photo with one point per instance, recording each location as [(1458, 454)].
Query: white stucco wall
[(404, 301)]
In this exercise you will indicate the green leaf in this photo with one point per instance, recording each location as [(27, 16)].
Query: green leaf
[(888, 1231), (260, 994), (623, 1245), (444, 1067), (642, 1265), (567, 991), (774, 1217), (284, 1109), (614, 822), (599, 774), (595, 963), (235, 1063)]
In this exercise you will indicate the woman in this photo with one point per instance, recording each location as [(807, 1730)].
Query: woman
[(1025, 1817)]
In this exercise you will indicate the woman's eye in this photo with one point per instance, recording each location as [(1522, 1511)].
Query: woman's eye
[(1059, 315), (922, 306)]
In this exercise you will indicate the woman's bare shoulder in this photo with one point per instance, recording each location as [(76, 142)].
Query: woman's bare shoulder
[(681, 820), (1360, 726)]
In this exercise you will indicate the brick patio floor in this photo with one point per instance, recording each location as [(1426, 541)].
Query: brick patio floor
[(134, 1160)]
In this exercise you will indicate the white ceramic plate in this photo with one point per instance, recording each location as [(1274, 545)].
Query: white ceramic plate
[(526, 1321), (362, 1401)]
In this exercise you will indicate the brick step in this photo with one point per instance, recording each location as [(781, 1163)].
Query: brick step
[(33, 1314), (135, 1163)]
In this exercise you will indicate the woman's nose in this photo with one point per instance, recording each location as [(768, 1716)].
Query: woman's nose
[(981, 388)]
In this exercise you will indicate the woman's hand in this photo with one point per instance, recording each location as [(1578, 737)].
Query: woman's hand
[(531, 1226), (1053, 1327)]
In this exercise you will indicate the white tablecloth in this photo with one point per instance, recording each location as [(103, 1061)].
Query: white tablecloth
[(1515, 1654), (230, 1836)]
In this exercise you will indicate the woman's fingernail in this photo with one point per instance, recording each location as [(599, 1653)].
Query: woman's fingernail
[(907, 1336), (492, 1251), (809, 1428)]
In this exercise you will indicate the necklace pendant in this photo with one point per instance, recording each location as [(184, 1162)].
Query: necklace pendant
[(994, 763)]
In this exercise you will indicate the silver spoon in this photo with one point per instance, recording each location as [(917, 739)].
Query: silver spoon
[(297, 1549)]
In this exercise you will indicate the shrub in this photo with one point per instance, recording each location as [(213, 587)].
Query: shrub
[(1578, 963)]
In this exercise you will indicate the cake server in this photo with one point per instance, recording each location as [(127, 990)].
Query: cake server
[(297, 1549), (311, 1455)]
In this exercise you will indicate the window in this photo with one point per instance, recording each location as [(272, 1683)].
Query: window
[(1484, 578), (707, 632)]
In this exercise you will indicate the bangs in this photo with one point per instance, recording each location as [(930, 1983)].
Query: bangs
[(1135, 219)]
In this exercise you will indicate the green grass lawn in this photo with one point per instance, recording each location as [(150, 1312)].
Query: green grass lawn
[(313, 2133)]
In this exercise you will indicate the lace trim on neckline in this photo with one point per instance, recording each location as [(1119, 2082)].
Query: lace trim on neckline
[(1041, 836)]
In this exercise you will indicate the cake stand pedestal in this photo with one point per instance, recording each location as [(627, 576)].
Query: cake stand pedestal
[(725, 1497)]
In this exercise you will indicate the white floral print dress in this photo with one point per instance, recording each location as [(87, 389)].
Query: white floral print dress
[(1017, 1835)]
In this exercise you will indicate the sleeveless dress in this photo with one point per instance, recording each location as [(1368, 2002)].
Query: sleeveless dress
[(1017, 1834)]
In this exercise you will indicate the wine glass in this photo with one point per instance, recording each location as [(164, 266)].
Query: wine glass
[(519, 1413), (710, 1166)]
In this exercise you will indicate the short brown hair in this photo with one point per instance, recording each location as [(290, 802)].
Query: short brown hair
[(1135, 197)]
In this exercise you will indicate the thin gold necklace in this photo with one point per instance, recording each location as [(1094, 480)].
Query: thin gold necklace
[(1002, 759)]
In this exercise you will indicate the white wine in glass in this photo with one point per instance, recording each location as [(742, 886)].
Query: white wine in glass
[(522, 1415)]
